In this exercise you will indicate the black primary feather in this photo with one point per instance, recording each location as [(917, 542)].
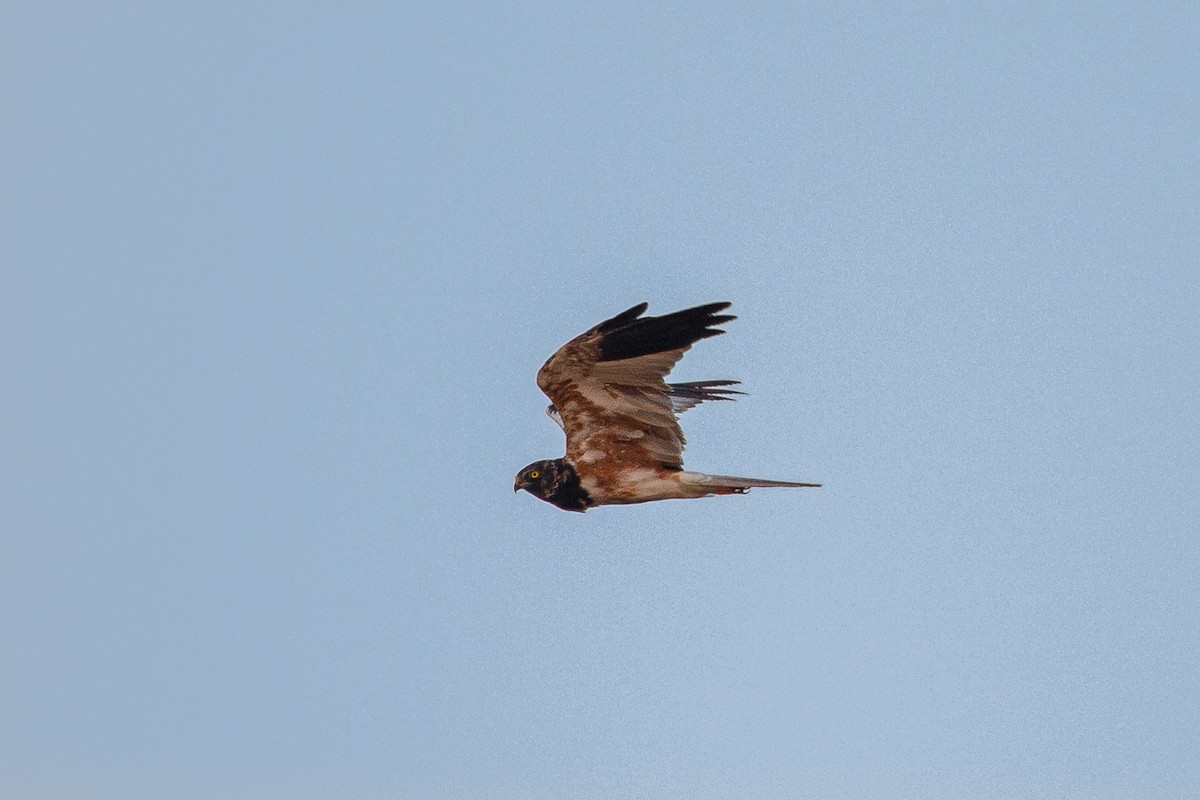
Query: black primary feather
[(629, 335), (698, 391), (624, 318)]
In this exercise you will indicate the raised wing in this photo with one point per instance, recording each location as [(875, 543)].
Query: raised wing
[(683, 396), (608, 385)]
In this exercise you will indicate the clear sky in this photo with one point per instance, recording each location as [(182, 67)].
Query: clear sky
[(278, 278)]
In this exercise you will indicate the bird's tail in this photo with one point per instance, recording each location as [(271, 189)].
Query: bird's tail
[(728, 484)]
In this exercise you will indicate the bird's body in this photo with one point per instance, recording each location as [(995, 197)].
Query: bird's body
[(608, 393)]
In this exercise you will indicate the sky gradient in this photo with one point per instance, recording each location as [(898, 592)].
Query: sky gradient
[(279, 279)]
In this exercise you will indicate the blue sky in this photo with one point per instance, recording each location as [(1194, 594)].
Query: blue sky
[(279, 280)]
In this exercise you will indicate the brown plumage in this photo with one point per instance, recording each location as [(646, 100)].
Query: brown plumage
[(608, 391)]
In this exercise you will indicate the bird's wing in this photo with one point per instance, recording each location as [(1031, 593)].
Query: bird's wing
[(608, 385), (689, 395), (683, 396)]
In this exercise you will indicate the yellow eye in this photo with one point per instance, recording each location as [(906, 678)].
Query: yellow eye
[(535, 474)]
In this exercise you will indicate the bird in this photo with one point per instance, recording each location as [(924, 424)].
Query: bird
[(608, 393)]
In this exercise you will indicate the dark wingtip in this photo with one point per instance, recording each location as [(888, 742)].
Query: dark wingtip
[(629, 335), (706, 390), (710, 310), (624, 318)]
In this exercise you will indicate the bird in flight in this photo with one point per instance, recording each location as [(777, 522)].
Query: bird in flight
[(608, 393)]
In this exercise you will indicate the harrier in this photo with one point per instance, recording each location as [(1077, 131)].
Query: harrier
[(608, 393)]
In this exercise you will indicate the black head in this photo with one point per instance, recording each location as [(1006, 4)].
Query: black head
[(555, 482)]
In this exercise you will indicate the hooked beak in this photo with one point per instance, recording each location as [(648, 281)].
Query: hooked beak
[(516, 486)]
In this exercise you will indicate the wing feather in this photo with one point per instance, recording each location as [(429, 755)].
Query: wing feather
[(684, 396), (608, 384)]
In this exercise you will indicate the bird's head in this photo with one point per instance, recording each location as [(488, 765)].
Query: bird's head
[(540, 479), (556, 482)]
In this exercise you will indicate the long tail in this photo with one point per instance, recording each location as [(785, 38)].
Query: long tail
[(729, 484)]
